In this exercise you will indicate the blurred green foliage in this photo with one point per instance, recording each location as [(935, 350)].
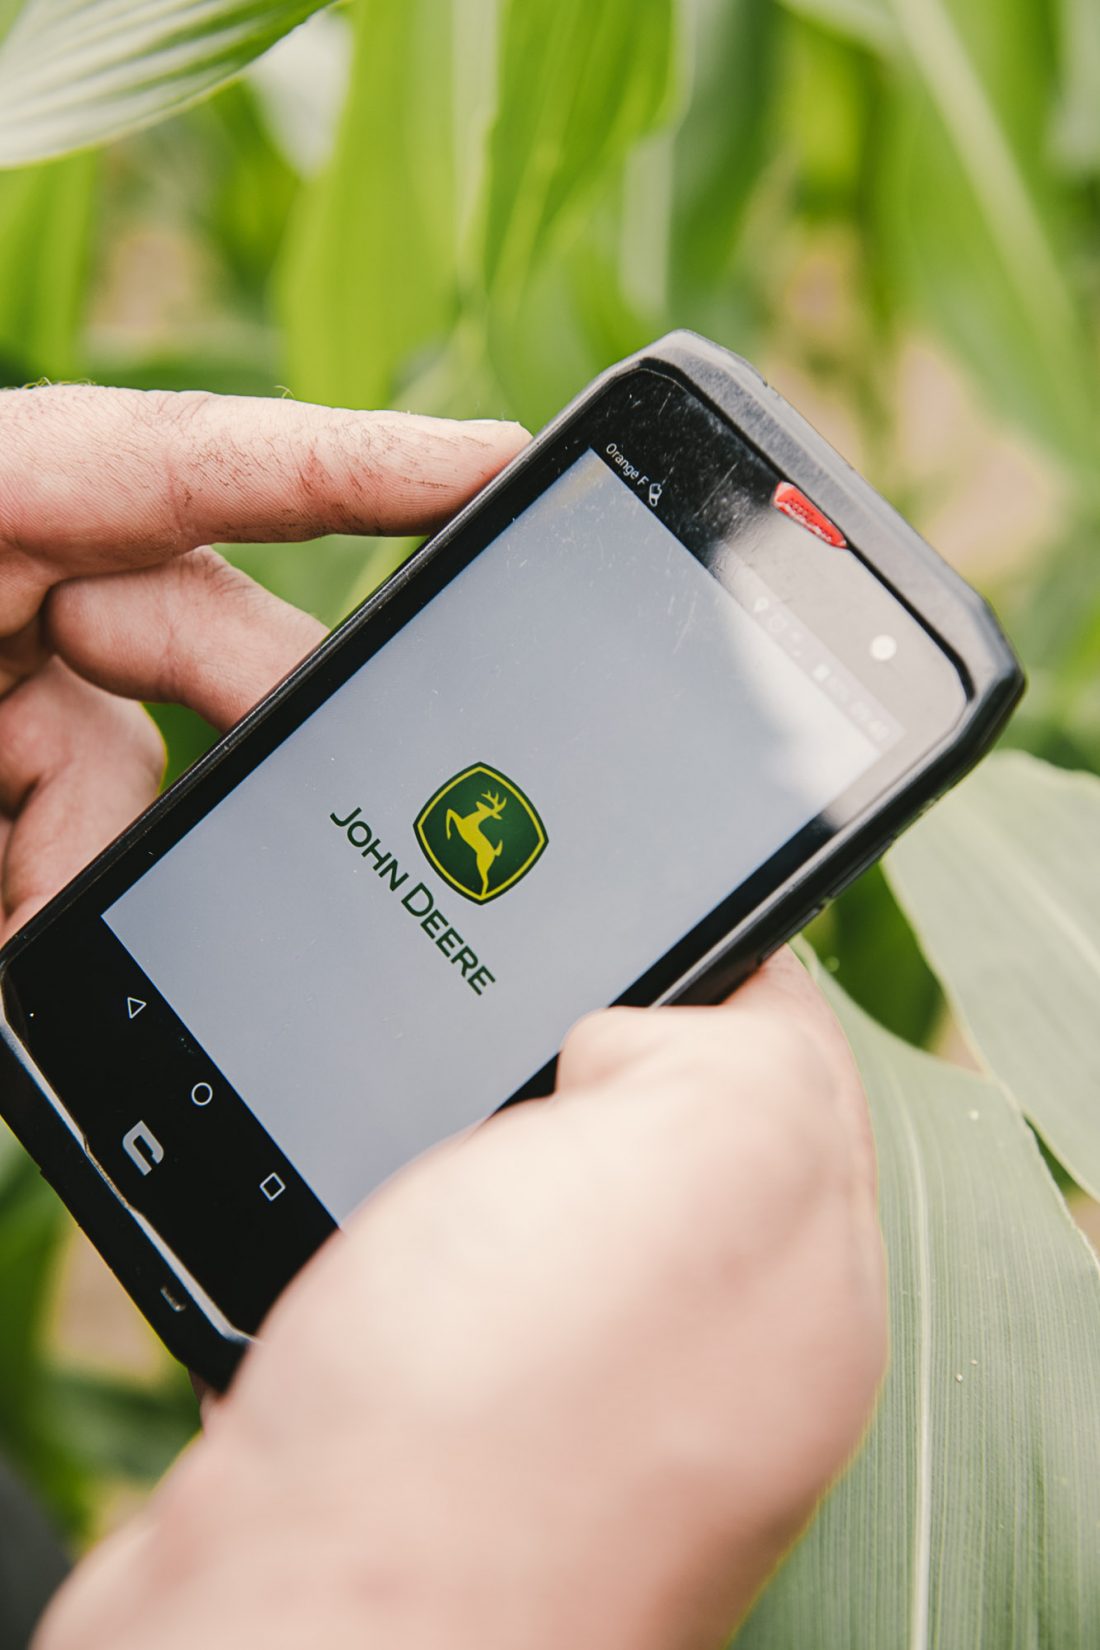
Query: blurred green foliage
[(472, 206)]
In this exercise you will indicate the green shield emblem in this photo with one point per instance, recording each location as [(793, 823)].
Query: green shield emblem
[(481, 833)]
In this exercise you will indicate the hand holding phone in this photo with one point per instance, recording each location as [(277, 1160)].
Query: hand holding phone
[(576, 1379), (611, 736), (107, 497)]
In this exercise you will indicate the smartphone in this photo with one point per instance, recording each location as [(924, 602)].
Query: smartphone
[(668, 684)]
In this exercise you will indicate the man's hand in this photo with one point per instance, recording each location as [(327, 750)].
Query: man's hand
[(107, 500), (575, 1379)]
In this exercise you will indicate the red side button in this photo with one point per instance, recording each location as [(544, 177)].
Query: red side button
[(796, 505)]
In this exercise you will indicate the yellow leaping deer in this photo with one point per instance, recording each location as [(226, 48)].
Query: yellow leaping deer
[(469, 829)]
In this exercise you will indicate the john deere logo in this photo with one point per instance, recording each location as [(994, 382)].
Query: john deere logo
[(481, 833)]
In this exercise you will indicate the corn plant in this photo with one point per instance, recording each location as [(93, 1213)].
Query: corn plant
[(472, 206)]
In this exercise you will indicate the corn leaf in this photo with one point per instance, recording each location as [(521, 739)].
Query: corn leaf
[(369, 272), (74, 73), (722, 144), (578, 85), (1001, 886), (1077, 128), (46, 221), (981, 230), (32, 1230), (867, 22), (367, 284), (971, 1516), (119, 1428)]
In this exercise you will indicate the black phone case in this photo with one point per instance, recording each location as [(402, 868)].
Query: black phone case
[(187, 1321)]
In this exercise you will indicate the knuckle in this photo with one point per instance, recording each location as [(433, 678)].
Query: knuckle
[(599, 1043), (217, 576), (220, 582), (174, 409), (22, 414), (312, 463), (337, 460), (180, 426)]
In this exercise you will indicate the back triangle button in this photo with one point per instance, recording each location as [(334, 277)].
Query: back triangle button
[(134, 1006)]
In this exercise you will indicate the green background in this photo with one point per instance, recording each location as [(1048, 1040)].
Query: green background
[(891, 206)]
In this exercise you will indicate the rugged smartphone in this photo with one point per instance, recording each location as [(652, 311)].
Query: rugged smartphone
[(668, 684)]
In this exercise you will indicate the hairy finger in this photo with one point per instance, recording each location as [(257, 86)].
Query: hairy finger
[(92, 480)]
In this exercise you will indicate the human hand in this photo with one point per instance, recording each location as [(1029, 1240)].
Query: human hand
[(575, 1379), (557, 1379), (107, 501)]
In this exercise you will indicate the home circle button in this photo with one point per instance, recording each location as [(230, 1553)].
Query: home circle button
[(202, 1094)]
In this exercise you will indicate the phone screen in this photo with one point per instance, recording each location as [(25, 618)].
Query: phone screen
[(579, 748), (637, 690)]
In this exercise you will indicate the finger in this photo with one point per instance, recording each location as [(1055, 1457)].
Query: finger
[(778, 1016), (782, 979), (76, 767), (605, 1043), (784, 988), (21, 654), (194, 632), (97, 479)]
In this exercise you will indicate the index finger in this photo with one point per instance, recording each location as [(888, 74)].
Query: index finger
[(94, 480)]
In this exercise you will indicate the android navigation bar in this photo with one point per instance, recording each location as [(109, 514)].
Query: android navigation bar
[(168, 1129)]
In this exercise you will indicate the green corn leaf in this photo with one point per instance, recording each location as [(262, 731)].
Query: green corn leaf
[(868, 22), (9, 11), (1055, 623), (576, 313), (33, 1228), (369, 273), (251, 190), (871, 952), (74, 73), (573, 236), (578, 86), (10, 1154), (972, 1515), (722, 145), (46, 223), (1077, 127), (1001, 883), (119, 1428), (980, 227)]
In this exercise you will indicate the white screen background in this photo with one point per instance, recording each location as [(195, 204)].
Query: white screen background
[(668, 744)]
